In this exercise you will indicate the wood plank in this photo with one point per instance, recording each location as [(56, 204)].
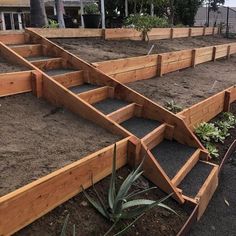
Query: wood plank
[(95, 95), (191, 162), (69, 33), (48, 64), (12, 38), (70, 79), (28, 50), (207, 190), (123, 113), (34, 200), (122, 33), (155, 137), (15, 82)]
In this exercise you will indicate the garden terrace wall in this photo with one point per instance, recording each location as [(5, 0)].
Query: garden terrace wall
[(209, 108), (145, 67), (159, 33)]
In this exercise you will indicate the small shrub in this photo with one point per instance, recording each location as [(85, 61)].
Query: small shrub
[(123, 204), (213, 151), (144, 23), (173, 106), (52, 24), (91, 9)]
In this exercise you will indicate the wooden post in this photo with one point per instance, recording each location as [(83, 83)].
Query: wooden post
[(228, 52), (194, 56), (204, 31), (214, 53), (190, 32), (227, 101), (37, 84), (159, 65), (133, 152), (171, 33), (103, 14)]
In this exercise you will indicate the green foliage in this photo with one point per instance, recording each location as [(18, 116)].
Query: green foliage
[(123, 204), (144, 23), (173, 106), (52, 24), (215, 4), (210, 133), (91, 8), (63, 232), (213, 151)]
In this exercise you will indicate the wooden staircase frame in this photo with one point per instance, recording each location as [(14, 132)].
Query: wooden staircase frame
[(130, 147)]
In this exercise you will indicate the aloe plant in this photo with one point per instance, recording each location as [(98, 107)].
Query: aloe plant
[(121, 203)]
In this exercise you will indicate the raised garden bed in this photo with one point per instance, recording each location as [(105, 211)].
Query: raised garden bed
[(189, 86), (38, 138), (96, 49), (89, 222)]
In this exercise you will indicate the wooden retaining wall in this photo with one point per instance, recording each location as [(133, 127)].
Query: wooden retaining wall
[(126, 33), (145, 67), (159, 33)]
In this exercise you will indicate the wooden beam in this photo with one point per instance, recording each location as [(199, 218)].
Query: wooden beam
[(28, 50), (95, 95), (48, 64), (186, 168), (12, 38), (70, 79), (226, 107), (34, 200), (123, 113), (15, 82), (37, 84)]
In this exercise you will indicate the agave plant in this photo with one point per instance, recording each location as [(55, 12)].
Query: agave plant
[(63, 232), (121, 203)]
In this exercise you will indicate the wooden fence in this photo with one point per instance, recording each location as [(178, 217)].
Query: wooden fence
[(145, 67)]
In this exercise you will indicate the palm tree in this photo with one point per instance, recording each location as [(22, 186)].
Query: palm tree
[(38, 15)]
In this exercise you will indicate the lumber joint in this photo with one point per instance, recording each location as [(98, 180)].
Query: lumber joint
[(133, 152), (37, 84)]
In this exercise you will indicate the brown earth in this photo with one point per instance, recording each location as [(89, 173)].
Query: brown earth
[(36, 139), (96, 49), (90, 223), (6, 67), (189, 86)]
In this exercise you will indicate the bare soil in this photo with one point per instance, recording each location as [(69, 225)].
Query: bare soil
[(96, 49), (90, 223), (6, 67), (191, 85), (37, 138)]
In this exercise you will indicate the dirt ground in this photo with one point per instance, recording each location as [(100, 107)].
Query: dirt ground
[(189, 86), (90, 223), (37, 139), (6, 67), (219, 218), (96, 49)]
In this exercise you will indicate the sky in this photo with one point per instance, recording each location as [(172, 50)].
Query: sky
[(230, 3)]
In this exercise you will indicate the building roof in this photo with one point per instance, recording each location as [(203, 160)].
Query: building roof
[(26, 3)]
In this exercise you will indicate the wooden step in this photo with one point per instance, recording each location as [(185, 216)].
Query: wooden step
[(70, 79), (28, 50), (123, 113), (46, 63), (82, 88), (172, 156), (200, 184), (97, 95)]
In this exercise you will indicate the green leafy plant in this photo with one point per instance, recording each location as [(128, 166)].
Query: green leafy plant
[(208, 132), (173, 106), (63, 232), (91, 8), (144, 23), (123, 204), (229, 117), (52, 24), (213, 151)]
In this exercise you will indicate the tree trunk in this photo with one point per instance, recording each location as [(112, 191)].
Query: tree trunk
[(38, 15), (60, 13)]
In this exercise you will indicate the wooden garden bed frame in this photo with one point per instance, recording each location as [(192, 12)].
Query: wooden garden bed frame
[(145, 67), (41, 196), (123, 33)]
